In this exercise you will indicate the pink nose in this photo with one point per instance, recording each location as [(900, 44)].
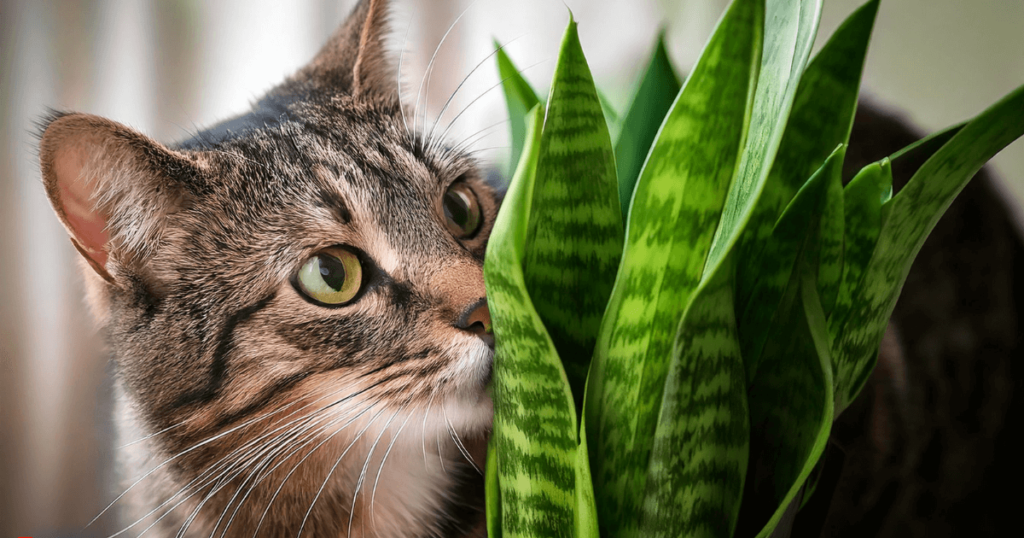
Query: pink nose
[(476, 318)]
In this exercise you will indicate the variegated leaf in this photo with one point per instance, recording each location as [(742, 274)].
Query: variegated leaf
[(907, 220), (761, 320), (676, 206), (790, 26), (822, 116), (790, 407), (699, 456), (534, 434), (575, 229), (655, 92), (863, 198), (492, 492)]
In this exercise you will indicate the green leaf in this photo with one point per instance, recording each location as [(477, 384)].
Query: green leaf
[(830, 258), (908, 218), (813, 479), (575, 230), (657, 88), (699, 457), (863, 198), (492, 492), (677, 204), (520, 99), (822, 117), (534, 433), (586, 508), (610, 116), (927, 146), (790, 407), (806, 214), (790, 26), (790, 377)]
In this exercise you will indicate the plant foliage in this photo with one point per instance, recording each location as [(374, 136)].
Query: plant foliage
[(682, 310)]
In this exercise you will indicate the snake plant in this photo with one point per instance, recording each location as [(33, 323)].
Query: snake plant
[(681, 311)]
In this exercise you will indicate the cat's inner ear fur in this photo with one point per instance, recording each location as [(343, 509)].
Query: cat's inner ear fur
[(111, 187), (355, 59)]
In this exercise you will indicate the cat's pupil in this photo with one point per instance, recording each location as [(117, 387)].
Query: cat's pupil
[(456, 208), (461, 210), (332, 271)]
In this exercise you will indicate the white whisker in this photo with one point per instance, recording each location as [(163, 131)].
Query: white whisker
[(215, 472), (430, 68), (180, 454), (440, 455), (362, 472), (310, 453), (459, 87), (373, 493), (152, 435), (401, 56), (471, 103), (458, 441), (423, 429), (333, 468)]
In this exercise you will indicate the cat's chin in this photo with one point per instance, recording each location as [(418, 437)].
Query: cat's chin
[(470, 408)]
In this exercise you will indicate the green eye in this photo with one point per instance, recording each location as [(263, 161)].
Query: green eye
[(461, 210), (331, 276)]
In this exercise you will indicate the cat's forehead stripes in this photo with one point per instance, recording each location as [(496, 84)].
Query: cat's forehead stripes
[(332, 199)]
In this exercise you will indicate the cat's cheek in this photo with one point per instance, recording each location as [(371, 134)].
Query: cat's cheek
[(470, 376)]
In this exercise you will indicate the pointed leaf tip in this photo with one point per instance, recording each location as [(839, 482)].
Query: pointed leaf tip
[(575, 231)]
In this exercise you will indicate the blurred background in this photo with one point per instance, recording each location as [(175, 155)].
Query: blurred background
[(167, 67)]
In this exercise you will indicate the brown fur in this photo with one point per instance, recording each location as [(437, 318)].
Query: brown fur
[(369, 417)]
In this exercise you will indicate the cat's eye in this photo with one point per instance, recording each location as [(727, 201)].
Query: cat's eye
[(461, 210), (332, 276)]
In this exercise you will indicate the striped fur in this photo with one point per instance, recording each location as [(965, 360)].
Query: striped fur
[(257, 409)]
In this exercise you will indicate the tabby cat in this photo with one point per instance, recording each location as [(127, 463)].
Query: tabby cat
[(295, 304)]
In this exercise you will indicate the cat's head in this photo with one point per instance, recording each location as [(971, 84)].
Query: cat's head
[(311, 254)]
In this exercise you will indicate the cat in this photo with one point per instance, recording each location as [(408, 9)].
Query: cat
[(295, 305)]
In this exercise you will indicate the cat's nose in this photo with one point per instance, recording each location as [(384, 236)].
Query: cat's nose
[(477, 320)]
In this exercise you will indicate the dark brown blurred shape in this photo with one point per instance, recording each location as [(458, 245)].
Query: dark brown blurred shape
[(929, 448)]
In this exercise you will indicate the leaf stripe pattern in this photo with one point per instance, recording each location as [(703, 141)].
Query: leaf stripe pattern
[(656, 91), (790, 27), (699, 457), (790, 427), (908, 218), (822, 117), (575, 232), (534, 418), (677, 203), (760, 319), (863, 198), (790, 394)]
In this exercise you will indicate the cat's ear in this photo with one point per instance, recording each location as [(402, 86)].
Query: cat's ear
[(111, 187), (355, 59)]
